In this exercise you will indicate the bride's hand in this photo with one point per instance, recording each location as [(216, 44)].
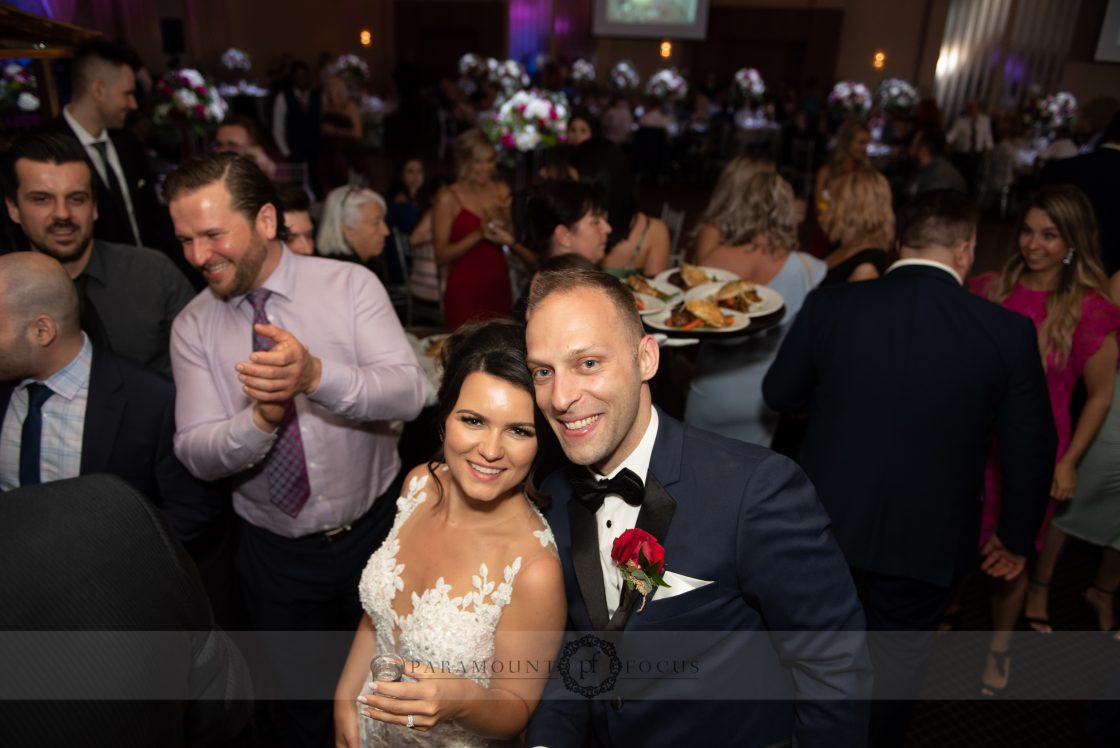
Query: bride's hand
[(346, 725), (436, 696)]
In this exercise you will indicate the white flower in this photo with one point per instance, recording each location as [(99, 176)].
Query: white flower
[(13, 70), (28, 102), (193, 77), (184, 98), (528, 139)]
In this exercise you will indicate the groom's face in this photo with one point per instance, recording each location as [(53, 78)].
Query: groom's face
[(589, 371)]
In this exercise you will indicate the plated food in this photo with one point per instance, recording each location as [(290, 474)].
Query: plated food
[(651, 296), (740, 295), (687, 276), (699, 316)]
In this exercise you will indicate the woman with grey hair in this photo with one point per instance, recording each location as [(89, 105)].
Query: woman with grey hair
[(353, 224)]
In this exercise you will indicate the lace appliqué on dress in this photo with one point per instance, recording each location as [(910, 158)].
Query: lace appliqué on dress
[(453, 633)]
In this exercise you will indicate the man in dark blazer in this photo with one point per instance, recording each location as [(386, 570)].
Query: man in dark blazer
[(103, 93), (907, 379), (759, 608), (126, 424), (1097, 174), (107, 635)]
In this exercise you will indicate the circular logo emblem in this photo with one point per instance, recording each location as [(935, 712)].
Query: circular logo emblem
[(589, 676)]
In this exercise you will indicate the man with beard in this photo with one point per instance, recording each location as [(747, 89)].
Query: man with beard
[(290, 370), (128, 295)]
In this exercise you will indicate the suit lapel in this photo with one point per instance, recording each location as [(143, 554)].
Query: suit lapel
[(104, 411), (654, 517), (585, 562)]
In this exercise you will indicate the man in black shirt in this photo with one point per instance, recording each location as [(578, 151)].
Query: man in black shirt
[(128, 295)]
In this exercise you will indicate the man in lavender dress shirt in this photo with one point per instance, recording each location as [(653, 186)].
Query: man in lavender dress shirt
[(290, 370)]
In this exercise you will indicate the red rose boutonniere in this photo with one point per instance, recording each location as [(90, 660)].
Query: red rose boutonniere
[(641, 559)]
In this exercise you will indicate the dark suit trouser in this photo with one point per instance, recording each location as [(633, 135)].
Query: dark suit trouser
[(307, 584), (902, 615)]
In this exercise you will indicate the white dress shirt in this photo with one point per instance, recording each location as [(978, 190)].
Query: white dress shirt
[(615, 516), (64, 419), (928, 264), (87, 142)]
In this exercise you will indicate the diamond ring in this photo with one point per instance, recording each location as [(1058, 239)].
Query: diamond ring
[(410, 724)]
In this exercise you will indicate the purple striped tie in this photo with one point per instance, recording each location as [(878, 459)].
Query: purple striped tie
[(288, 484)]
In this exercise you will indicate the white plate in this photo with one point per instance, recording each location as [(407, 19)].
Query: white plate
[(716, 274), (771, 302), (668, 289), (650, 304), (660, 322)]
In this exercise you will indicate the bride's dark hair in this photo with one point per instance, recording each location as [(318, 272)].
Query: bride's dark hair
[(497, 348)]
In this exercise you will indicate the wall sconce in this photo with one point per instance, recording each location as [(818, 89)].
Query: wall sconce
[(666, 49), (365, 37), (879, 60)]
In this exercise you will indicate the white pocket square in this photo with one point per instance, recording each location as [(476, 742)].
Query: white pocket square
[(678, 585)]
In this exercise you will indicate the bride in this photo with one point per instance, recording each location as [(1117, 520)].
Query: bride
[(467, 587)]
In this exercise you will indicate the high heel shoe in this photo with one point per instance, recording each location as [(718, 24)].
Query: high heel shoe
[(1039, 624), (1103, 602), (1002, 661)]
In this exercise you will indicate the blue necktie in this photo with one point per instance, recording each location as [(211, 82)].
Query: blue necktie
[(32, 436)]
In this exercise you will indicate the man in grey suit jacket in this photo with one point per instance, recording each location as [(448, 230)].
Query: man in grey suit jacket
[(129, 295)]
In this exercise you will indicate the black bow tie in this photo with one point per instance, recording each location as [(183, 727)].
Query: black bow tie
[(591, 492)]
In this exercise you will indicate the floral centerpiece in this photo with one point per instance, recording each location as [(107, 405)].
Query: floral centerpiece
[(850, 97), (508, 76), (472, 66), (18, 89), (236, 59), (749, 87), (527, 120), (1057, 110), (583, 73), (188, 104), (667, 83), (624, 77), (353, 70), (898, 94)]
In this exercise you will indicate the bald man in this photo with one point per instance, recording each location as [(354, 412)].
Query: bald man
[(70, 409)]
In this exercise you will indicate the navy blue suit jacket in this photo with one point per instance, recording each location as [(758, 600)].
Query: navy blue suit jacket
[(130, 421), (698, 667), (907, 379)]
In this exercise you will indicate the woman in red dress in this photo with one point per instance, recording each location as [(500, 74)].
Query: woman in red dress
[(470, 228)]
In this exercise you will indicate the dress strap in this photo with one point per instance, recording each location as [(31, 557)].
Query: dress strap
[(455, 195)]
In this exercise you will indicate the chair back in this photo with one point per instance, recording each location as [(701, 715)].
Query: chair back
[(674, 221)]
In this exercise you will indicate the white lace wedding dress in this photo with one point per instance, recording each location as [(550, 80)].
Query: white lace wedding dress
[(440, 629)]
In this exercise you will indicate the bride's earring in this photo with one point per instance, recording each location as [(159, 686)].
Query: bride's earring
[(1069, 257)]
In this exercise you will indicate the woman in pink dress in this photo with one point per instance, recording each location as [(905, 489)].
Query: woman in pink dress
[(1057, 280)]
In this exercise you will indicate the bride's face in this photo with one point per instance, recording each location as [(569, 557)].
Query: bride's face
[(490, 440)]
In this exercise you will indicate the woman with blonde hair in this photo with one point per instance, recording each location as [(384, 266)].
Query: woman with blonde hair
[(725, 395), (860, 221), (724, 220), (470, 226), (849, 155), (353, 225), (1055, 278)]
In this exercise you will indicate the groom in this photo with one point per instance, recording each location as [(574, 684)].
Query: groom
[(749, 559)]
